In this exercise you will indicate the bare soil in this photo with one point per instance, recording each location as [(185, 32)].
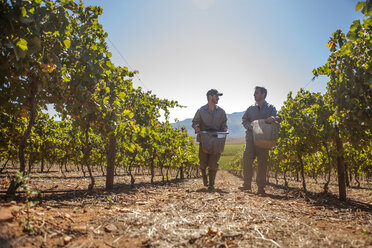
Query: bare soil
[(184, 214)]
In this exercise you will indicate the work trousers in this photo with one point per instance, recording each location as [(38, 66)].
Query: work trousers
[(250, 153), (208, 160)]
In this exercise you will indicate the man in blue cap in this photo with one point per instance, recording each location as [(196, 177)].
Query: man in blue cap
[(209, 117)]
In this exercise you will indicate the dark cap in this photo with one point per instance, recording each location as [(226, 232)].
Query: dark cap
[(214, 92)]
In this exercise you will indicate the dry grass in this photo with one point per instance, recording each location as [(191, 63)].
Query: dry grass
[(235, 141)]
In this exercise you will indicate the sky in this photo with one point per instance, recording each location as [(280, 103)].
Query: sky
[(183, 48)]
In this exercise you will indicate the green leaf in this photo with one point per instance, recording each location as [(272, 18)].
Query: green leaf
[(22, 44), (109, 55), (359, 6), (23, 11), (49, 4), (121, 95), (65, 75), (109, 64), (128, 113), (355, 25), (67, 43)]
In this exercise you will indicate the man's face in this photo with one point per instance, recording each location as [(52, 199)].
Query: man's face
[(214, 98), (258, 96)]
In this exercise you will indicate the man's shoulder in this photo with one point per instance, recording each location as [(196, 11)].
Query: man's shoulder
[(269, 105), (251, 107), (203, 108), (220, 109)]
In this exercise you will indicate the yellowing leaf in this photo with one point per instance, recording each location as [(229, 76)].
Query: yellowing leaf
[(67, 43), (331, 44), (359, 6), (5, 181), (23, 11), (134, 126), (22, 44)]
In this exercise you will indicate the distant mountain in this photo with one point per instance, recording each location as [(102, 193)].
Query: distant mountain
[(234, 123)]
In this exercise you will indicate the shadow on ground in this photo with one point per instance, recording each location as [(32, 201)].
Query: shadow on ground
[(327, 200), (97, 192)]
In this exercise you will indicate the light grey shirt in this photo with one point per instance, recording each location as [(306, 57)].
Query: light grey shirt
[(255, 112), (207, 119)]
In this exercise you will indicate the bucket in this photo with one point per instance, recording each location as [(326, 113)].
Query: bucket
[(265, 135), (213, 142)]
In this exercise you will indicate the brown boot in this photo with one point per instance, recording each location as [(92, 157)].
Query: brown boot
[(205, 178), (212, 177)]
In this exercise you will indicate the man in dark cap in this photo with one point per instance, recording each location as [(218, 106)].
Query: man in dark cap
[(209, 117)]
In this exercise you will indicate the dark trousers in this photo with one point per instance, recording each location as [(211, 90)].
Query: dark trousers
[(208, 160), (250, 153)]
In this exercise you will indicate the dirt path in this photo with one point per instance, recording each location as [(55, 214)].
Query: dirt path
[(184, 214)]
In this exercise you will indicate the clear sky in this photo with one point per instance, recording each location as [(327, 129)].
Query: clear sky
[(183, 48)]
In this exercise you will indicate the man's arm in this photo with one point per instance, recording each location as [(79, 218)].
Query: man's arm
[(224, 122), (245, 121), (273, 115), (196, 122)]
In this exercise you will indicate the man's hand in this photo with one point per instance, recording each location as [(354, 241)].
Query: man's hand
[(197, 130), (269, 120)]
